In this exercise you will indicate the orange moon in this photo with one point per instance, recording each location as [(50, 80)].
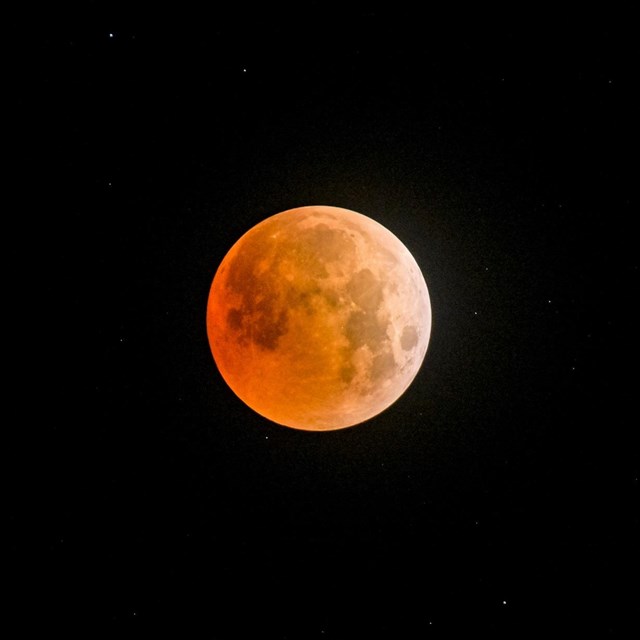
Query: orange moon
[(318, 318)]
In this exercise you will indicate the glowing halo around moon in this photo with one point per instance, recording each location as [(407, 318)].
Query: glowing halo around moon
[(318, 318)]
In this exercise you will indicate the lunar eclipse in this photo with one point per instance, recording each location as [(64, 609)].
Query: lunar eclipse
[(318, 318)]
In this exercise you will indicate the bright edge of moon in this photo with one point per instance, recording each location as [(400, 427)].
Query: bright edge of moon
[(318, 318)]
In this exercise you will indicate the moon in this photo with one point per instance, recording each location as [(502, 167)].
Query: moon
[(318, 318)]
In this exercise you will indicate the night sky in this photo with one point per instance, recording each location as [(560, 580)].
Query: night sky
[(497, 496)]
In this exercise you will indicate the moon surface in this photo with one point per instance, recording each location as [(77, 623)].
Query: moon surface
[(318, 318)]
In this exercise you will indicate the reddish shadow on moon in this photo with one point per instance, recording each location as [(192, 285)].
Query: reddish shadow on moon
[(318, 318)]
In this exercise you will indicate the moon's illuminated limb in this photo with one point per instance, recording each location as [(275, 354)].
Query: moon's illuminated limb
[(318, 318)]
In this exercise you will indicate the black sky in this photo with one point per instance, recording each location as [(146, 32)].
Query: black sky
[(498, 495)]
